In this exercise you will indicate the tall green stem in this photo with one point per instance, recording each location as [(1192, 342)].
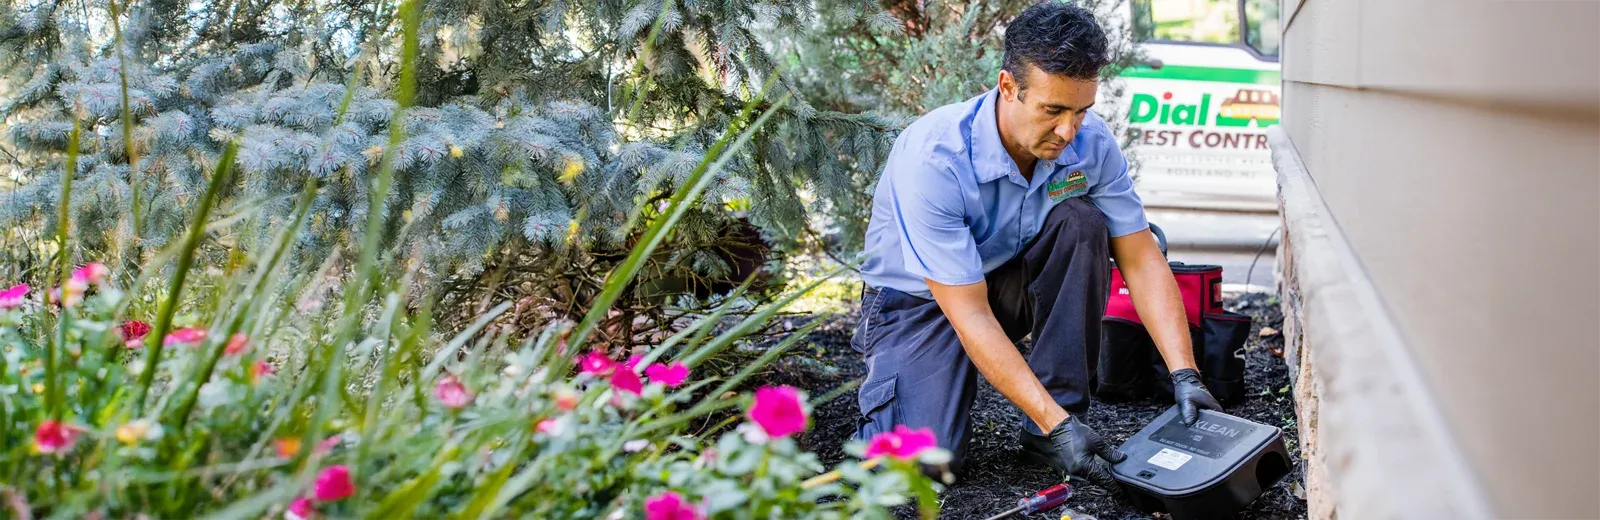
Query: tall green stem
[(52, 390), (169, 306)]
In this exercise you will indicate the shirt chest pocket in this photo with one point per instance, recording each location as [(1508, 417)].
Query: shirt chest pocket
[(999, 242)]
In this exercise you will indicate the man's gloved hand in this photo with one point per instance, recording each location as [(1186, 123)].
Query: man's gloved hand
[(1191, 395), (1074, 449)]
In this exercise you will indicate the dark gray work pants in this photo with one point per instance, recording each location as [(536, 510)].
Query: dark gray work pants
[(918, 374)]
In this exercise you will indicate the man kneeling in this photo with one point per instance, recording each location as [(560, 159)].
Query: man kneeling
[(996, 218)]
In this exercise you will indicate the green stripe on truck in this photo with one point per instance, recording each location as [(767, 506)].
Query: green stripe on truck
[(1189, 73)]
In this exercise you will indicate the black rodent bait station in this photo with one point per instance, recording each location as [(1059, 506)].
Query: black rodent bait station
[(1210, 469)]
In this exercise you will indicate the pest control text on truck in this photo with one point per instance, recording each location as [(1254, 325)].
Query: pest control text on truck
[(1198, 108)]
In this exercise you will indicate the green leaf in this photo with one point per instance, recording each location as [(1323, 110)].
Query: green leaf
[(723, 495)]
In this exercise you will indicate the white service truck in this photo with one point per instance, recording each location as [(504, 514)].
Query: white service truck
[(1198, 108)]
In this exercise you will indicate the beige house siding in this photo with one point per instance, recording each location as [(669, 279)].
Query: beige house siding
[(1456, 147)]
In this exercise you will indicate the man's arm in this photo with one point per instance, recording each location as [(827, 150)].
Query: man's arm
[(1155, 296), (967, 308), (1160, 305)]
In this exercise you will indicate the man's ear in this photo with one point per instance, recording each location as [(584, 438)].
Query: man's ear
[(1009, 90)]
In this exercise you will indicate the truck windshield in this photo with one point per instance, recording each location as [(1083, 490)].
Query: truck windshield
[(1240, 23), (1199, 21), (1261, 26)]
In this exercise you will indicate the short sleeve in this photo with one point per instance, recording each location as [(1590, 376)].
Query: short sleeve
[(935, 241), (1114, 194)]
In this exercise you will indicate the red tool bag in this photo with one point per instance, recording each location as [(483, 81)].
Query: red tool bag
[(1130, 366)]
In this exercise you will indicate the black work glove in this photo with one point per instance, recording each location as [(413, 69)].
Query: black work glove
[(1191, 395), (1074, 448)]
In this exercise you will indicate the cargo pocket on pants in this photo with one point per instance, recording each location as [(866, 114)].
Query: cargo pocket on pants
[(879, 409)]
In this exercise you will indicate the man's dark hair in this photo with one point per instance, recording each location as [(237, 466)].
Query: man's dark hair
[(1059, 38)]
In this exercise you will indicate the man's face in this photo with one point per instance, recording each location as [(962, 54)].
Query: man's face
[(1043, 117)]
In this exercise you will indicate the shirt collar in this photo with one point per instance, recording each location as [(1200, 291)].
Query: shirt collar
[(989, 157)]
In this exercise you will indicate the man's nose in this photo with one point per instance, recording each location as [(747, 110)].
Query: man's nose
[(1066, 131)]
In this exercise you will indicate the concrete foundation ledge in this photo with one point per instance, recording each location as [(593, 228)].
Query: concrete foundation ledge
[(1375, 446)]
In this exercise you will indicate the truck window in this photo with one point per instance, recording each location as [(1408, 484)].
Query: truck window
[(1200, 21), (1261, 30)]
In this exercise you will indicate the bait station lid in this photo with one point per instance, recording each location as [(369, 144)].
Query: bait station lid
[(1210, 469)]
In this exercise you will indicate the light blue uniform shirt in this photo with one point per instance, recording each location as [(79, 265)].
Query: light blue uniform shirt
[(951, 205)]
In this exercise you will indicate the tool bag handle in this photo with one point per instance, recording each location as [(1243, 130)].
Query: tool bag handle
[(1161, 237)]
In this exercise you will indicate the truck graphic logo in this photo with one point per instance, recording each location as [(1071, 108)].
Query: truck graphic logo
[(1261, 105)]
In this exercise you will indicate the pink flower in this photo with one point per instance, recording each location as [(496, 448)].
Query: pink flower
[(452, 393), (237, 344), (334, 484), (13, 297), (327, 444), (95, 273), (596, 362), (902, 443), (633, 361), (627, 381), (133, 333), (546, 426), (300, 509), (671, 376), (54, 437), (671, 506), (189, 336), (75, 290), (260, 370), (779, 411)]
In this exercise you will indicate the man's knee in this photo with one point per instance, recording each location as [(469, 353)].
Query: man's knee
[(1076, 213)]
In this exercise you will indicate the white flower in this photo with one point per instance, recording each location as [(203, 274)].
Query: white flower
[(635, 445), (753, 434)]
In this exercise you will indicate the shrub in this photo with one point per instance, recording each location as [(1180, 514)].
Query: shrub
[(231, 393)]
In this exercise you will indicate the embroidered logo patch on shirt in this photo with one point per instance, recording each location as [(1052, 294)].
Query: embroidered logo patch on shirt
[(1074, 185)]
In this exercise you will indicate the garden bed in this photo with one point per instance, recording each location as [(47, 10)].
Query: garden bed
[(997, 475)]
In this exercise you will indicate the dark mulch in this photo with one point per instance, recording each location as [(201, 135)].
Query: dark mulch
[(997, 476)]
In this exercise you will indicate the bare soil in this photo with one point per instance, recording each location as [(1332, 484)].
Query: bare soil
[(997, 474)]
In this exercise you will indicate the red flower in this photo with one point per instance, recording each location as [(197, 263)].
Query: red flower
[(133, 333), (300, 509), (779, 411), (627, 381), (261, 369), (902, 443), (189, 336), (13, 297), (452, 393), (334, 484), (671, 506), (54, 437), (567, 400), (671, 376), (596, 362), (237, 344)]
